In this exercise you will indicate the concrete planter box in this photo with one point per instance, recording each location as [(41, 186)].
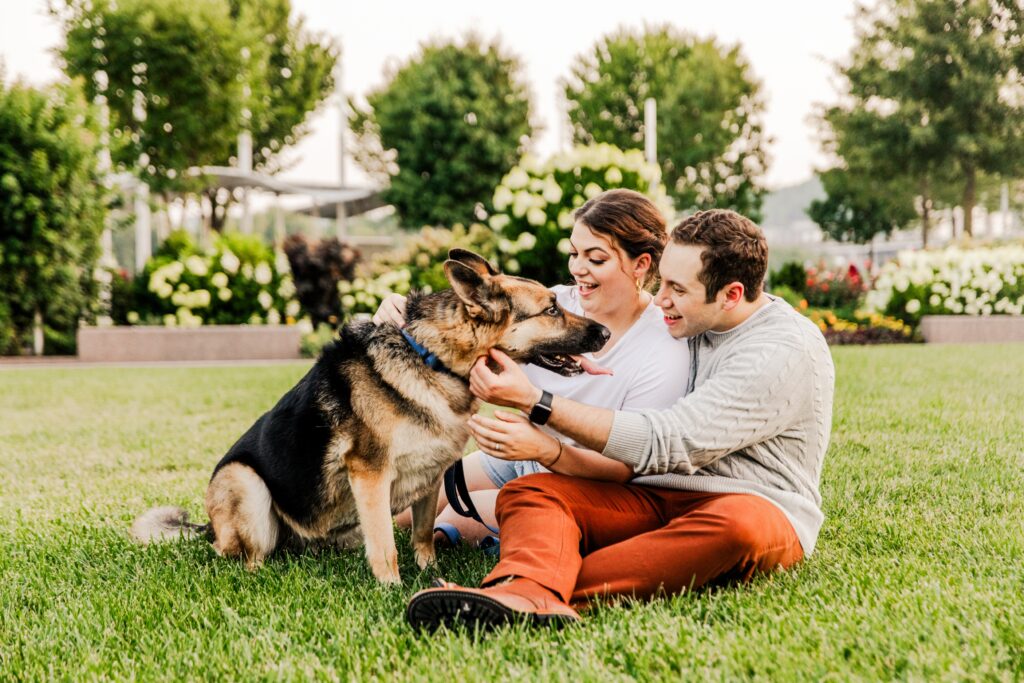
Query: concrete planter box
[(213, 342), (972, 329)]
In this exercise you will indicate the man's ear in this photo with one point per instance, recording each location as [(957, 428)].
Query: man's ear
[(474, 261), (732, 294), (471, 288)]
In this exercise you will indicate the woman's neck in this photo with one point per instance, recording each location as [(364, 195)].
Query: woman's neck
[(620, 320)]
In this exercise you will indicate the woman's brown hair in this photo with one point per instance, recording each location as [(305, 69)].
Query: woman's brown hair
[(631, 220)]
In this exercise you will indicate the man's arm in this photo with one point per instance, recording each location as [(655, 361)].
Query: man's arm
[(584, 424)]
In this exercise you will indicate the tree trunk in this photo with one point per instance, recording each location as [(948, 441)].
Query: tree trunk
[(970, 182), (926, 208)]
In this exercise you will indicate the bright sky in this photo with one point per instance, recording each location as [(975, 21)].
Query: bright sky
[(789, 44)]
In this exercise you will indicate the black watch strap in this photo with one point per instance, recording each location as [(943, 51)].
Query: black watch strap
[(541, 410)]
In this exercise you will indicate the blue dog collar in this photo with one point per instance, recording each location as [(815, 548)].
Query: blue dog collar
[(431, 360)]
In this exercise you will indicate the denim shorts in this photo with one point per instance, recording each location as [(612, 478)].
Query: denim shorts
[(502, 472)]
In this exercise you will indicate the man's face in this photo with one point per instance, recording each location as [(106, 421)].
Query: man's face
[(682, 297)]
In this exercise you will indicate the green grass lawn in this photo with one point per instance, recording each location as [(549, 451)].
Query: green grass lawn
[(918, 572)]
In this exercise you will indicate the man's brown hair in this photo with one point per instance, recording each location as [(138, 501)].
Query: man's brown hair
[(735, 250)]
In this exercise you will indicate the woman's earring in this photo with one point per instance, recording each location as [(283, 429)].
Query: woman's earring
[(639, 286)]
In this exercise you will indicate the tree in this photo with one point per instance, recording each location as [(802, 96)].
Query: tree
[(444, 129), (855, 210), (52, 208), (710, 141), (948, 73), (184, 79)]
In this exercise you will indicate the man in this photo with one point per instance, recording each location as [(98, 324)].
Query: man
[(727, 479)]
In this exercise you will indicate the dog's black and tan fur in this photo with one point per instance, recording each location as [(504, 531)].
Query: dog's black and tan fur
[(370, 429)]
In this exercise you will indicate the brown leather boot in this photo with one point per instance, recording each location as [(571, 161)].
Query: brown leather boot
[(519, 599)]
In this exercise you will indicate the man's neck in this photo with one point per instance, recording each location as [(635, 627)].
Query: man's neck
[(741, 313)]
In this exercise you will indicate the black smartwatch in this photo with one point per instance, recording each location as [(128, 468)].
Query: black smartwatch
[(541, 410)]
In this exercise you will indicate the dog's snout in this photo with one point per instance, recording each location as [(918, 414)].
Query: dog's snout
[(604, 333)]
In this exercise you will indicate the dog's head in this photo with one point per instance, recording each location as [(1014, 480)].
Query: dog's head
[(527, 321)]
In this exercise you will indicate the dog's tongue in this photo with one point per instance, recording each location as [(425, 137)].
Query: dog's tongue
[(592, 368)]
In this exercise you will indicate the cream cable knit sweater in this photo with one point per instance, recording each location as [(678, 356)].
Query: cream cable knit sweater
[(756, 419)]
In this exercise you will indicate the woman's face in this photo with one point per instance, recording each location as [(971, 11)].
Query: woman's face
[(605, 277)]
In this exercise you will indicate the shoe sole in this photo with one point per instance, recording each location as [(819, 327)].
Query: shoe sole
[(438, 608)]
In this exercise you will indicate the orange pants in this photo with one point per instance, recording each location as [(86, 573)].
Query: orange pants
[(582, 538)]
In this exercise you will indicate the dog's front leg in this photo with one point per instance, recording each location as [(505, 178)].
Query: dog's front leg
[(372, 492), (424, 511)]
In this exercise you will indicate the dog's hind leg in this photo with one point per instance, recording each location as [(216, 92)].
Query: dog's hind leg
[(424, 514), (242, 515), (372, 492)]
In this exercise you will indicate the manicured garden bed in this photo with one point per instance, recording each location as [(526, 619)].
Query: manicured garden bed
[(918, 572)]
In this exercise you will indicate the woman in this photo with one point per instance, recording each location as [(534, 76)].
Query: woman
[(616, 242)]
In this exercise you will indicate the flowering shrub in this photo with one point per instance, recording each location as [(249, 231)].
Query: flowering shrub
[(418, 265), (535, 201), (862, 327), (953, 281), (239, 280), (840, 288)]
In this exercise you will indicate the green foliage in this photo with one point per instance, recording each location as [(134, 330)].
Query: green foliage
[(856, 210), (291, 73), (534, 204), (838, 288), (444, 129), (202, 71), (790, 274), (929, 96), (417, 266), (239, 280), (710, 142), (52, 207)]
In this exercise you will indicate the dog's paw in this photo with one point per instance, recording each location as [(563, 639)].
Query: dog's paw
[(387, 572), (425, 555)]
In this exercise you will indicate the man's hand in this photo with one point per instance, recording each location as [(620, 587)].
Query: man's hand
[(511, 388), (391, 311)]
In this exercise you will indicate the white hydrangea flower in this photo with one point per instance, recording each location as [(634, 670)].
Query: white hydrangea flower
[(200, 298), (281, 264), (348, 301), (565, 219), (263, 274), (552, 190), (229, 262), (265, 299), (526, 241), (517, 178), (292, 309), (913, 306), (613, 176), (219, 280), (592, 190), (132, 317), (564, 246), (273, 317), (196, 265), (170, 321), (224, 294), (499, 221), (247, 271), (536, 217), (502, 198), (287, 288), (512, 265)]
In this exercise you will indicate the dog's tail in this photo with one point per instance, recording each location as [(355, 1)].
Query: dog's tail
[(164, 524)]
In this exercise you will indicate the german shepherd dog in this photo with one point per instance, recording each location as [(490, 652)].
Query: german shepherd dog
[(372, 427)]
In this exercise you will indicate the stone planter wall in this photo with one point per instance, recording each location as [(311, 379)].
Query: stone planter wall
[(213, 342), (971, 329)]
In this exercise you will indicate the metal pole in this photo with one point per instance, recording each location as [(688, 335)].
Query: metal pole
[(245, 165), (651, 130), (341, 212)]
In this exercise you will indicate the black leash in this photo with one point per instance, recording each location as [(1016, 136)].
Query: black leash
[(458, 494)]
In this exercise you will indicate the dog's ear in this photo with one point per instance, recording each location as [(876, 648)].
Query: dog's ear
[(474, 261), (472, 289)]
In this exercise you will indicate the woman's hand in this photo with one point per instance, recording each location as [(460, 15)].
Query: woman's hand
[(391, 311), (511, 388), (512, 437)]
